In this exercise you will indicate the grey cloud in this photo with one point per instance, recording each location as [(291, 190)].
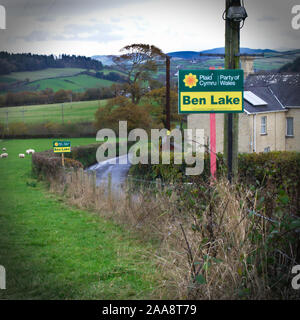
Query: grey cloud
[(62, 7), (74, 32), (36, 36), (46, 19), (99, 37), (115, 19), (75, 29), (268, 19), (98, 32)]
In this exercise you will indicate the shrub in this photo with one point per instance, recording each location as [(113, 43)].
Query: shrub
[(17, 129), (49, 165), (269, 172), (120, 109)]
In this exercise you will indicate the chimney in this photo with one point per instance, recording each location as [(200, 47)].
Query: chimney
[(247, 65)]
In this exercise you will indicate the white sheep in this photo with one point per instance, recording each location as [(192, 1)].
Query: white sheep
[(3, 149), (21, 155), (30, 151), (4, 155)]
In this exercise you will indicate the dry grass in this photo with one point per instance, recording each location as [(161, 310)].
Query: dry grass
[(203, 254)]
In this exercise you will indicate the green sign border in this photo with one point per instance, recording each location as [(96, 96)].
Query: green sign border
[(65, 144), (214, 89), (62, 144)]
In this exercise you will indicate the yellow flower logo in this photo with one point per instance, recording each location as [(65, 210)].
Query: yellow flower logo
[(190, 80), (56, 144)]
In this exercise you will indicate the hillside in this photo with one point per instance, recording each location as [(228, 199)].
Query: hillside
[(11, 62), (73, 112), (195, 54), (272, 61), (105, 60), (75, 79), (292, 66)]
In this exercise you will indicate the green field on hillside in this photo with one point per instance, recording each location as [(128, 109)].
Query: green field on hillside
[(42, 74), (77, 83), (107, 71), (53, 251), (56, 79), (81, 111)]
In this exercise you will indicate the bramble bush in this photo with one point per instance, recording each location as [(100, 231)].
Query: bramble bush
[(48, 164), (270, 172)]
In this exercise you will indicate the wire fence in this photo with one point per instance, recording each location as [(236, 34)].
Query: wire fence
[(57, 114), (138, 192)]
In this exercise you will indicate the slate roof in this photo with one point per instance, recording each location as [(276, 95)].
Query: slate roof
[(285, 86), (268, 96)]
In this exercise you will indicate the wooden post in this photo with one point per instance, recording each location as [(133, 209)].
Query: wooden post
[(109, 185), (168, 120), (129, 196), (71, 174), (62, 114), (231, 121), (63, 159), (158, 184), (213, 163), (23, 117), (94, 181), (7, 121)]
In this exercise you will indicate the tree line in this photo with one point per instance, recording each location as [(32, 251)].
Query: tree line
[(292, 66), (10, 62), (48, 96)]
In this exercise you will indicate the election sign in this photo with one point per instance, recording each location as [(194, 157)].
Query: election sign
[(61, 146), (210, 91)]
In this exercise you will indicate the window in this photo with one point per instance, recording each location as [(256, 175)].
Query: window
[(263, 125), (267, 149), (290, 127)]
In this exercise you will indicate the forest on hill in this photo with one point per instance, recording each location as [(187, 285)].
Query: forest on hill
[(292, 66), (10, 62)]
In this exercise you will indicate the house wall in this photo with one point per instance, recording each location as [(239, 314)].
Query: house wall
[(245, 133), (275, 136), (202, 121), (293, 144)]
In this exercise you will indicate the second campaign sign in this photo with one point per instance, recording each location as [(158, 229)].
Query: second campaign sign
[(210, 91)]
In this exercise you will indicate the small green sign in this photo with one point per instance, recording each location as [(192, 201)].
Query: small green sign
[(62, 146), (210, 91)]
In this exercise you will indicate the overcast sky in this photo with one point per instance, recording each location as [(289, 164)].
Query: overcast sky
[(92, 27)]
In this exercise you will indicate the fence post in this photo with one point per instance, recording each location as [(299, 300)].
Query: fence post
[(94, 180), (63, 169), (129, 194), (109, 185), (86, 178), (7, 121), (71, 175), (158, 184), (81, 175), (62, 114)]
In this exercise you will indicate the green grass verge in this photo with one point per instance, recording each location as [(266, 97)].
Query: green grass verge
[(52, 251)]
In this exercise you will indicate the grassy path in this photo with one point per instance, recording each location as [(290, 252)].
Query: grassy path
[(52, 251)]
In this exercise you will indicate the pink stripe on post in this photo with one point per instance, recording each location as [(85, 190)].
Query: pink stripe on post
[(213, 162)]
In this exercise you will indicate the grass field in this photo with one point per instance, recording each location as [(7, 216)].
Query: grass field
[(80, 111), (52, 251), (56, 79), (42, 74), (78, 83)]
